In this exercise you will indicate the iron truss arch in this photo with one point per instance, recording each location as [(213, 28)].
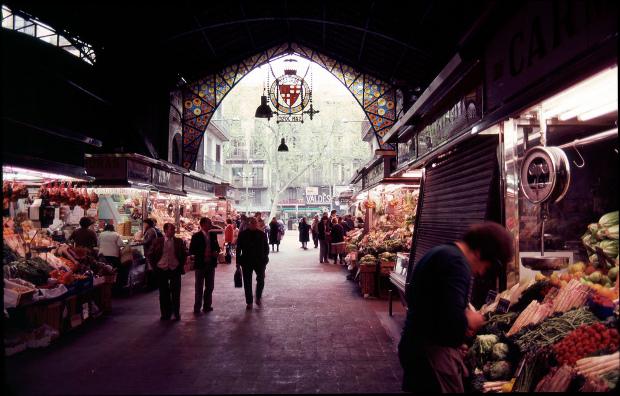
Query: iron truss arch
[(202, 97)]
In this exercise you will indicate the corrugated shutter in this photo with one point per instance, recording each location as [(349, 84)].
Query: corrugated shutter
[(456, 192)]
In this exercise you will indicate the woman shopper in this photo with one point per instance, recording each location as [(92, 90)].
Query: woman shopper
[(324, 230), (315, 231), (110, 243), (84, 236), (274, 230), (304, 233), (229, 238), (337, 242)]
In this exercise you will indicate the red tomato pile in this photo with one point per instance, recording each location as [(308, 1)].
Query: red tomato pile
[(584, 341)]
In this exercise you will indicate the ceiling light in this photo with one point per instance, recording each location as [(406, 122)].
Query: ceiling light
[(263, 111)]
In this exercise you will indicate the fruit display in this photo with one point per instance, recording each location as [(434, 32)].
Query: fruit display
[(368, 259), (584, 341), (604, 236)]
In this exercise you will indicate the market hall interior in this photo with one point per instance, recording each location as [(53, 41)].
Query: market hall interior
[(313, 334)]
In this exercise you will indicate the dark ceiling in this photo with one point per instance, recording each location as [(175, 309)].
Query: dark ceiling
[(404, 42)]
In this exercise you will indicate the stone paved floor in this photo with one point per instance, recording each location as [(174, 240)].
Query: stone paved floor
[(314, 334)]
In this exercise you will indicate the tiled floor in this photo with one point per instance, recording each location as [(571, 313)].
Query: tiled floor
[(313, 334)]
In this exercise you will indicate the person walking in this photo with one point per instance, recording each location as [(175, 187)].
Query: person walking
[(428, 348), (314, 228), (168, 254), (110, 243), (243, 223), (274, 231), (337, 242), (253, 256), (84, 236), (229, 238), (205, 249), (281, 229), (324, 230), (349, 220), (149, 236), (304, 233)]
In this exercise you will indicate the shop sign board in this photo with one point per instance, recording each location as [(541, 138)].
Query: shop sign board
[(462, 114), (106, 168), (195, 185), (138, 172), (374, 175), (324, 199), (169, 180), (538, 39)]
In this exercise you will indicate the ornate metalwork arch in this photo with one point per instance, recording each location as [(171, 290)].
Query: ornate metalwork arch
[(201, 98)]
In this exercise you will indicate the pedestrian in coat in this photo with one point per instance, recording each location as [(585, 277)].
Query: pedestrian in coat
[(150, 235), (274, 230), (168, 255), (205, 249), (324, 228), (243, 223), (337, 242), (304, 233), (435, 328), (314, 228), (253, 256)]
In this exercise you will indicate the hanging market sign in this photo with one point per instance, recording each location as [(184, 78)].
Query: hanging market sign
[(541, 37), (290, 94), (312, 191)]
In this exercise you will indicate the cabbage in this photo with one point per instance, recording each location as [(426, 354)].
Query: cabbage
[(609, 247), (499, 370), (608, 219), (485, 342)]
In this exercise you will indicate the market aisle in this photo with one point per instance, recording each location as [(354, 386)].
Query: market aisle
[(314, 334)]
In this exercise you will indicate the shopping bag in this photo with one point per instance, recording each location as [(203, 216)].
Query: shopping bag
[(238, 278)]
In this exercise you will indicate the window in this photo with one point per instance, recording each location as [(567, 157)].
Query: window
[(236, 145), (33, 27), (257, 178), (218, 153), (258, 197)]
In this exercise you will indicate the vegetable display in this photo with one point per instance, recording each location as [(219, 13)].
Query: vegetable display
[(584, 341)]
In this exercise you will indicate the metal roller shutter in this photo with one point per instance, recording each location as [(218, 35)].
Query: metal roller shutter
[(459, 189)]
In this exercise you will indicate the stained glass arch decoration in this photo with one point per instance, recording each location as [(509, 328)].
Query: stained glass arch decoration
[(201, 98)]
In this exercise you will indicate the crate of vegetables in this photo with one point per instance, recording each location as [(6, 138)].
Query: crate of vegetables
[(17, 291)]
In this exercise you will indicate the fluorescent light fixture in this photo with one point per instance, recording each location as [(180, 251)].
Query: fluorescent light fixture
[(591, 98), (14, 173)]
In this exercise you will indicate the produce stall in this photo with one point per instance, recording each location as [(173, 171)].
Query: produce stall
[(389, 210), (49, 287)]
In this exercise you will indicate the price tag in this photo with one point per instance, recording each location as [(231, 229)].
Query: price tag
[(502, 306), (491, 295)]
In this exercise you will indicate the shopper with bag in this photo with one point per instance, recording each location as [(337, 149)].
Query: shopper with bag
[(253, 256), (205, 249), (168, 255)]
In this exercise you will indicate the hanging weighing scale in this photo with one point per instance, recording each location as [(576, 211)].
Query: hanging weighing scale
[(545, 178)]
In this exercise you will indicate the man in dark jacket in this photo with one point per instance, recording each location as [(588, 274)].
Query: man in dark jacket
[(205, 249), (438, 313), (168, 255), (253, 256)]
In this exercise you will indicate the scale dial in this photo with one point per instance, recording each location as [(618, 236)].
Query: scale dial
[(545, 174)]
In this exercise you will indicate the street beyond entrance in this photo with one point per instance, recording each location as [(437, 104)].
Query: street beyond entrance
[(313, 334)]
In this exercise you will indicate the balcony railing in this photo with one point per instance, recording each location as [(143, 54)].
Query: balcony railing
[(216, 169)]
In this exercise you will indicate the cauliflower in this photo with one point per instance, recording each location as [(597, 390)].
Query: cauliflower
[(499, 351)]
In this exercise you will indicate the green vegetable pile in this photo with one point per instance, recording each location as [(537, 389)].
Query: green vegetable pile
[(552, 329), (604, 235), (8, 256), (34, 270), (368, 259), (387, 257), (499, 323)]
